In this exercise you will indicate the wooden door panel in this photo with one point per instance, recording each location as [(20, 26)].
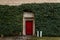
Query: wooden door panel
[(29, 27)]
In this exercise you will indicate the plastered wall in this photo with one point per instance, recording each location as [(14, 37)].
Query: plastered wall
[(19, 2)]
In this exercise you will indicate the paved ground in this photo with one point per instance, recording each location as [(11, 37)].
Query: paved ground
[(29, 38), (17, 38)]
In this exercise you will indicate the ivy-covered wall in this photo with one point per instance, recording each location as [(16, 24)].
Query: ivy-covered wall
[(47, 18), (10, 20)]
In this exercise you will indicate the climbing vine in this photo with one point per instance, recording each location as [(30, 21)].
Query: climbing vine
[(47, 18)]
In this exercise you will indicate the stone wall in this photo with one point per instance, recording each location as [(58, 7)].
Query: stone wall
[(19, 2)]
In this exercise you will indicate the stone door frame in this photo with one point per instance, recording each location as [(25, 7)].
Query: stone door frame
[(28, 16)]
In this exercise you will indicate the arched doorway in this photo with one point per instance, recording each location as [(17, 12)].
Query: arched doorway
[(28, 23)]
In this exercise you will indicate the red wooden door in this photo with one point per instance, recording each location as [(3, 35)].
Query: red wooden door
[(29, 27)]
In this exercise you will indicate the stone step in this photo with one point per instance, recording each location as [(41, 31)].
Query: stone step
[(23, 38)]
